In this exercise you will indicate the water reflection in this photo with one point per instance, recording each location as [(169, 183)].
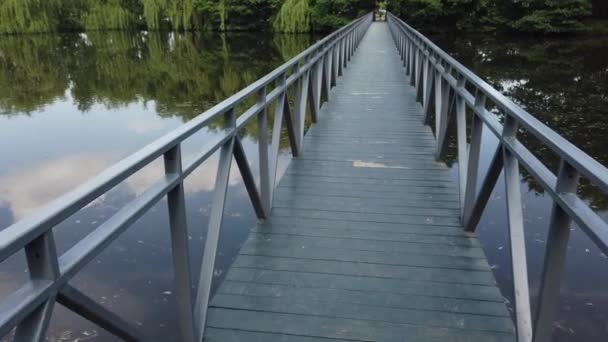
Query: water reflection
[(72, 105), (564, 83)]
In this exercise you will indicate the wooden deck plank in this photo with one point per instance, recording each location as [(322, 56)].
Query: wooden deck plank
[(364, 241), (381, 299), (334, 327), (384, 285), (314, 307), (437, 248), (455, 240)]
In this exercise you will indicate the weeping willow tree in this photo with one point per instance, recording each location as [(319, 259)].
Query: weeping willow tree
[(28, 15), (177, 12), (293, 17), (289, 45), (106, 14), (221, 8)]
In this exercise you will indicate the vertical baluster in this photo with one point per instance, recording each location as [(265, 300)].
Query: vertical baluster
[(263, 150), (41, 255), (300, 103), (326, 75), (555, 255), (340, 58), (344, 56), (417, 69), (276, 133), (444, 111), (406, 54), (348, 46), (179, 245), (473, 157), (412, 63), (429, 90), (311, 88), (334, 74), (352, 44), (213, 231), (516, 238), (317, 85), (438, 91), (461, 139)]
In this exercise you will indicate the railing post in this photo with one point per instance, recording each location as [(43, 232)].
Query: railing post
[(429, 90), (340, 57), (326, 75), (41, 255), (418, 79), (310, 91), (263, 151), (352, 44), (279, 112), (344, 46), (213, 232), (442, 106), (302, 98), (461, 140), (473, 156), (334, 59), (317, 86), (555, 254), (517, 240), (406, 54), (412, 62), (179, 246)]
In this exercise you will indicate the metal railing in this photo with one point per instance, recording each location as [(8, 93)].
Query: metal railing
[(446, 90), (311, 74)]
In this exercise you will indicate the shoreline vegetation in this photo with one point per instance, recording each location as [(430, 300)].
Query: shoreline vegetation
[(301, 16)]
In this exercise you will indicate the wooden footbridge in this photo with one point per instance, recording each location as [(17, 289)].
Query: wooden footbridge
[(366, 237)]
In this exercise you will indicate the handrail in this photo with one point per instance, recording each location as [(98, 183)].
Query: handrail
[(312, 73), (442, 85)]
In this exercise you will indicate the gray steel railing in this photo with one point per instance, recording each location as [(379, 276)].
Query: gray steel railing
[(443, 86), (311, 74)]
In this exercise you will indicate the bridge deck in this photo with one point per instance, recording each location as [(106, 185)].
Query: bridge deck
[(364, 241)]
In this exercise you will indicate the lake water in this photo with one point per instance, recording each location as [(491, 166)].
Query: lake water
[(564, 83), (72, 105)]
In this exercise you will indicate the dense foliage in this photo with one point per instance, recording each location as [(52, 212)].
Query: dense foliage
[(530, 16), (18, 16)]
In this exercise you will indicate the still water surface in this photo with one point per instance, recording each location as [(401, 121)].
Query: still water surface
[(564, 83), (71, 105)]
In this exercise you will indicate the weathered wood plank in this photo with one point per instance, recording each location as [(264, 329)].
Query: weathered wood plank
[(454, 240), (276, 249), (304, 223), (329, 327), (371, 184), (370, 245), (231, 335), (365, 270), (314, 307), (383, 285), (367, 217), (382, 299)]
